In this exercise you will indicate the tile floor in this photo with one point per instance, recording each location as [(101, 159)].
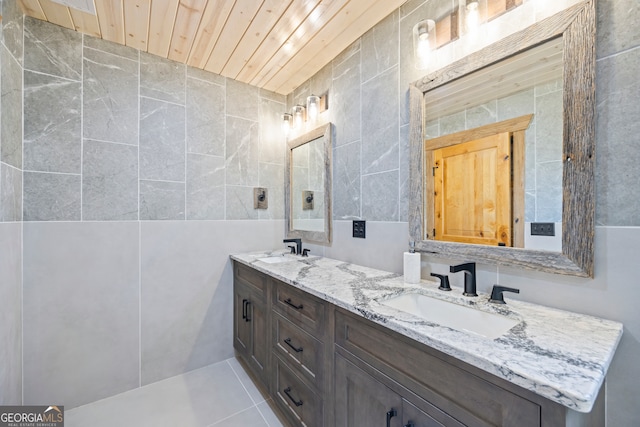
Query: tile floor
[(217, 395)]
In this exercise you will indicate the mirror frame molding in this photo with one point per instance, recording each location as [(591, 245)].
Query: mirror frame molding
[(577, 26), (324, 131)]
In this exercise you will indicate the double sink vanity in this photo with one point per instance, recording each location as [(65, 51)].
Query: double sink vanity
[(338, 344)]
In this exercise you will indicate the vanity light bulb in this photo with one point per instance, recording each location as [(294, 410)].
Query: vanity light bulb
[(423, 47), (298, 116), (473, 16), (423, 37), (312, 107)]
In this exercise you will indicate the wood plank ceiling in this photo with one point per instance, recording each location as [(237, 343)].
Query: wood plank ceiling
[(273, 44)]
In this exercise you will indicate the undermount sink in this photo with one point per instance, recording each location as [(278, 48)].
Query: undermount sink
[(275, 259), (452, 315)]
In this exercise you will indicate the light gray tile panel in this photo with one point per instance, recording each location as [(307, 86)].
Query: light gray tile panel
[(516, 105), (10, 193), (269, 415), (482, 115), (246, 381), (249, 417), (272, 96), (272, 139), (617, 153), (549, 127), (272, 178), (346, 101), (81, 299), (380, 123), (239, 203), (52, 49), (242, 152), (52, 124), (380, 196), (11, 123), (195, 399), (162, 140), (109, 181), (187, 297), (617, 26), (321, 82), (205, 187), (242, 100), (161, 200), (431, 129), (110, 47), (13, 29), (380, 47), (380, 150), (11, 314), (530, 157), (205, 117), (346, 181), (200, 74), (453, 123), (404, 173), (530, 206), (110, 98), (162, 78), (549, 192), (51, 197)]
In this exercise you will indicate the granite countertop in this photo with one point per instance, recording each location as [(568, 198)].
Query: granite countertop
[(560, 355)]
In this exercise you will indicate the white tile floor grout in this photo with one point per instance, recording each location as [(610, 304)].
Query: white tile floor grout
[(217, 395)]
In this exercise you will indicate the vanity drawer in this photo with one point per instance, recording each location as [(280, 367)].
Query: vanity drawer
[(296, 399), (251, 277), (454, 390), (301, 351), (303, 309)]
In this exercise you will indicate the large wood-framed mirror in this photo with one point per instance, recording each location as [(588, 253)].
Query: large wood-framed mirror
[(308, 184), (572, 31)]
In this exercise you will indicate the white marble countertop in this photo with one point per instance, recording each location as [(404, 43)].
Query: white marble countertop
[(560, 355)]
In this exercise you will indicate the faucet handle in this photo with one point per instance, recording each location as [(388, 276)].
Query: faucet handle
[(444, 281), (305, 252), (496, 293), (293, 249)]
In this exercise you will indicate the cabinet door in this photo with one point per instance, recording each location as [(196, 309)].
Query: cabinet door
[(241, 327), (363, 401), (257, 313), (250, 328)]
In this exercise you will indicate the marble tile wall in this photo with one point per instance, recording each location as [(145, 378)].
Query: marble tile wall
[(111, 134), (610, 293), (11, 58)]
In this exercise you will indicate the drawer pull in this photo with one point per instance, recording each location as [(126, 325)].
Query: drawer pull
[(289, 303), (392, 413), (287, 341), (248, 319), (295, 402), (244, 309)]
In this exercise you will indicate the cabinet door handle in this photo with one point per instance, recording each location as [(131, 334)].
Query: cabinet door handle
[(287, 341), (248, 319), (288, 302), (392, 413), (244, 309), (295, 402)]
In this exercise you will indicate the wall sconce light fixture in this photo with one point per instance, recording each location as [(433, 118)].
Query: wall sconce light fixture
[(298, 116), (472, 15), (424, 35), (287, 123), (316, 104)]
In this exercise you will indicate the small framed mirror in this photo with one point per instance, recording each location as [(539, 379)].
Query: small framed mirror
[(570, 163), (308, 186)]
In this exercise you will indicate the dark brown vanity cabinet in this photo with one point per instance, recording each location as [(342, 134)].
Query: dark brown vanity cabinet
[(250, 319)]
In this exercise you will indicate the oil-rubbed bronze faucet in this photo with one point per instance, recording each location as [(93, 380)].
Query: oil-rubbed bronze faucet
[(298, 243), (469, 270)]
